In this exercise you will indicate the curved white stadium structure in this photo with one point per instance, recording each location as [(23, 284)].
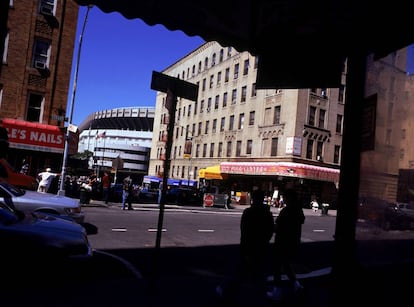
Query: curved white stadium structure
[(120, 140)]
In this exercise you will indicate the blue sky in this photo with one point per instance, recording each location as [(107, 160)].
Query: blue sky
[(117, 59)]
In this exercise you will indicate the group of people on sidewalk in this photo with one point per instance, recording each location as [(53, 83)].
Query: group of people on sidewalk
[(257, 254)]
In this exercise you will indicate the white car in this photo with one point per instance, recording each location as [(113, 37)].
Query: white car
[(25, 200)]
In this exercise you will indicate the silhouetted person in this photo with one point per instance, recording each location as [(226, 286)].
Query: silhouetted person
[(288, 232), (256, 230)]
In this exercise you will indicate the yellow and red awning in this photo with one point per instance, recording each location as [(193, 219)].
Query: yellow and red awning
[(290, 169)]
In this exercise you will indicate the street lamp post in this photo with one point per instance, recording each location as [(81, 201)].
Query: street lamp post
[(72, 103)]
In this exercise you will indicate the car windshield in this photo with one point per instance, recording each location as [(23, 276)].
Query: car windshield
[(13, 190)]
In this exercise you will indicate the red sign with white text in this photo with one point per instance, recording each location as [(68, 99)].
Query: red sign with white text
[(34, 136)]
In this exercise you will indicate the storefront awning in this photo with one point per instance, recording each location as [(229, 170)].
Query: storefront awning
[(211, 172), (34, 136), (290, 169)]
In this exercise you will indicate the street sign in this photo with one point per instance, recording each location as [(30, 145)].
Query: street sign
[(208, 200)]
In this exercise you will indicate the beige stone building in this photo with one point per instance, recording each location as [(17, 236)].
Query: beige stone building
[(245, 130)]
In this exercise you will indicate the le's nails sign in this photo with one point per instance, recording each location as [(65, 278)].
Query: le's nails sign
[(34, 136)]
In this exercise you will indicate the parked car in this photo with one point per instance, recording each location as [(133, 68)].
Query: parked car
[(10, 175), (396, 218), (184, 196), (146, 196), (407, 208), (26, 200), (37, 237)]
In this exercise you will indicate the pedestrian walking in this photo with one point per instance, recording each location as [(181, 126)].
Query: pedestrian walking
[(256, 231), (125, 191), (45, 180), (106, 185), (288, 232)]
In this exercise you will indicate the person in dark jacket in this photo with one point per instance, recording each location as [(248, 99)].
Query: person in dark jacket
[(256, 231), (288, 232)]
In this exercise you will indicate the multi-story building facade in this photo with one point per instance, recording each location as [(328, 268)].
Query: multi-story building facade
[(247, 131), (120, 141), (37, 43)]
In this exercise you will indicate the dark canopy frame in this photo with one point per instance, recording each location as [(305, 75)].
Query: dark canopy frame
[(300, 44)]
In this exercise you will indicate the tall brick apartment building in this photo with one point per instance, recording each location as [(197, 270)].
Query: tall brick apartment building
[(37, 40)]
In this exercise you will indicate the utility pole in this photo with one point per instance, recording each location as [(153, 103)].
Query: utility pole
[(72, 104)]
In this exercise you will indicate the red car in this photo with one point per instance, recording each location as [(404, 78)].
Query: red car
[(11, 176)]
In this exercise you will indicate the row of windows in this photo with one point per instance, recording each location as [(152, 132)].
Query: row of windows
[(211, 63), (314, 149), (208, 106), (197, 129)]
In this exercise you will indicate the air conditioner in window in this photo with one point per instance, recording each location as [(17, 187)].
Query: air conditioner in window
[(46, 10), (40, 64)]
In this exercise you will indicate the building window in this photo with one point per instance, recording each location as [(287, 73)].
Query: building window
[(214, 128), (221, 55), (6, 48), (273, 147), (234, 96), (34, 109), (231, 123), (222, 124), (217, 102), (206, 127), (204, 150), (218, 78), (41, 54), (220, 149), (322, 114), (246, 67), (249, 146), (241, 121), (211, 81), (238, 148), (199, 67), (243, 94), (47, 7), (254, 91), (309, 149), (236, 71), (227, 75), (268, 120), (195, 107), (341, 94), (228, 152), (211, 150), (319, 151), (276, 115), (337, 152), (339, 120), (229, 49), (206, 63), (202, 106), (193, 71), (225, 99), (203, 85), (197, 150), (199, 128), (189, 110), (251, 118), (209, 104), (312, 114), (213, 60)]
